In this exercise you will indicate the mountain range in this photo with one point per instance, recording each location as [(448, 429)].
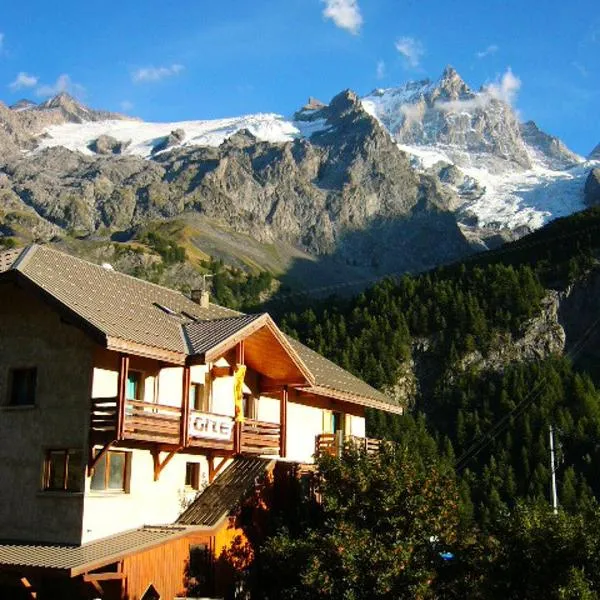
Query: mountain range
[(339, 192)]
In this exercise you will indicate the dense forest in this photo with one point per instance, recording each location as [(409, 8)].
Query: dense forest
[(492, 424)]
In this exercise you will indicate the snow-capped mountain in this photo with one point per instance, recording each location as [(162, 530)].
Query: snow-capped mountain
[(511, 175)]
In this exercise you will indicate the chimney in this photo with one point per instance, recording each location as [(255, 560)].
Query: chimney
[(201, 297)]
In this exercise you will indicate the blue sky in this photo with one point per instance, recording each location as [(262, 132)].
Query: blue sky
[(195, 59)]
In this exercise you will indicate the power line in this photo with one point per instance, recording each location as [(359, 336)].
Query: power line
[(486, 439)]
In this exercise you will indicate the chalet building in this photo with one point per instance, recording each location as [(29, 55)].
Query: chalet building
[(133, 419)]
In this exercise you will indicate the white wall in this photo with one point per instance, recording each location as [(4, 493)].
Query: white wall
[(268, 409), (105, 383), (170, 386), (149, 502), (304, 424), (357, 426)]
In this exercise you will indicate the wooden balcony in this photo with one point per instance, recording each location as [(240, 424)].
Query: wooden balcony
[(333, 443), (260, 437), (162, 424)]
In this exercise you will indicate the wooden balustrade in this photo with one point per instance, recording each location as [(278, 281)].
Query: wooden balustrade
[(333, 443), (151, 422), (260, 437), (103, 419)]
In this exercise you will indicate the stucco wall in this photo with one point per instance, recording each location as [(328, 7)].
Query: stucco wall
[(33, 335), (148, 502)]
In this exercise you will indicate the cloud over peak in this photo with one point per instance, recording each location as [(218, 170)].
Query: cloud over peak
[(63, 83), (491, 49), (411, 49), (23, 80), (150, 74), (344, 13)]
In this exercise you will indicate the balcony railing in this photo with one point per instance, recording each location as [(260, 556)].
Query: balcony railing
[(260, 437), (147, 421), (333, 443), (152, 422)]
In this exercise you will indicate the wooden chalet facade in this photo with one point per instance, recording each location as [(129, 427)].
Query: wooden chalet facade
[(120, 401)]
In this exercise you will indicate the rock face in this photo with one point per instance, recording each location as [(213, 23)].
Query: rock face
[(592, 188), (347, 192), (549, 148), (448, 113), (173, 139), (595, 153), (106, 144)]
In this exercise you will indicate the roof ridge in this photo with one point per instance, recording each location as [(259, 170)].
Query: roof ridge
[(24, 257)]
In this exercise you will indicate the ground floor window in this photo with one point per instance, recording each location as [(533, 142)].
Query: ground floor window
[(111, 472), (192, 475), (63, 470)]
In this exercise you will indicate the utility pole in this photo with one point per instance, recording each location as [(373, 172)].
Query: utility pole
[(553, 472)]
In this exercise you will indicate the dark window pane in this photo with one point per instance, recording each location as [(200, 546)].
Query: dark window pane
[(98, 477), (116, 473), (75, 466), (56, 470), (133, 385), (22, 387), (192, 475)]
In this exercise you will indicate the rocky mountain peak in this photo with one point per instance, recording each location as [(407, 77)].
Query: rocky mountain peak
[(61, 100), (346, 100), (23, 104), (451, 85), (595, 153), (548, 148)]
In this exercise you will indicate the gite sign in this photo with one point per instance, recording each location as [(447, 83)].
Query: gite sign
[(205, 425)]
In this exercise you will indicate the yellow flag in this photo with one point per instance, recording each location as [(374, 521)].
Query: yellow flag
[(238, 392)]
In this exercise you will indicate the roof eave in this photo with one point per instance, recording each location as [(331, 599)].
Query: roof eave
[(366, 401)]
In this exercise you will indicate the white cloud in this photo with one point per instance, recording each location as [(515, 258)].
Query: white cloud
[(23, 80), (147, 74), (582, 70), (380, 70), (126, 105), (344, 13), (411, 49), (491, 49), (505, 88), (62, 84)]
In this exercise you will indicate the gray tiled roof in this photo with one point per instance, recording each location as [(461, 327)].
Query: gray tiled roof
[(201, 336), (115, 304), (121, 308), (77, 559), (222, 496), (330, 376)]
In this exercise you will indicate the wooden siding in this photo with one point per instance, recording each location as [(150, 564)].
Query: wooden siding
[(163, 567)]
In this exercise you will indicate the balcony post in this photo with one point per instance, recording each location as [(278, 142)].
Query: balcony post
[(121, 394), (283, 422), (184, 423)]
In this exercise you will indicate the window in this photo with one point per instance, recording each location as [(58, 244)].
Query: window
[(249, 405), (134, 385), (192, 475), (199, 397), (63, 470), (22, 383), (111, 472)]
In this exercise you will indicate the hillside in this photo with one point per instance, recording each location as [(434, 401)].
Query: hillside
[(341, 192), (493, 351)]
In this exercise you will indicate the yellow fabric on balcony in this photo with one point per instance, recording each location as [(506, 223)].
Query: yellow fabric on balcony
[(238, 392)]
